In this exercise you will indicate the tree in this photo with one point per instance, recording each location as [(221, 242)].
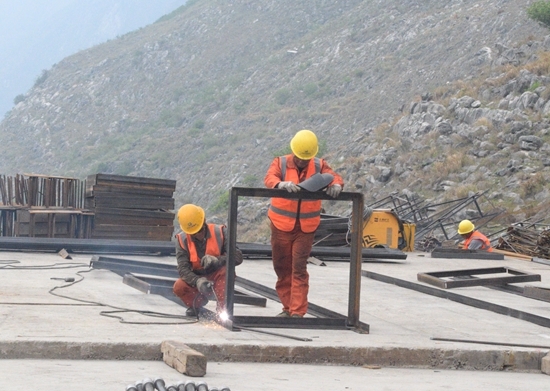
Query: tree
[(539, 11)]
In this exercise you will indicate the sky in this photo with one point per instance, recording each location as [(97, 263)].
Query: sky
[(36, 34)]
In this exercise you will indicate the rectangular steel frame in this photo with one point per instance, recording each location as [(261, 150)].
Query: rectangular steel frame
[(467, 277), (352, 321)]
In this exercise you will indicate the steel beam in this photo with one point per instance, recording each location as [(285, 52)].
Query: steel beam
[(467, 277), (165, 287), (440, 252)]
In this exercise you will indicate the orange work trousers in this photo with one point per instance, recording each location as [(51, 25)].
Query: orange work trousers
[(290, 251), (191, 296)]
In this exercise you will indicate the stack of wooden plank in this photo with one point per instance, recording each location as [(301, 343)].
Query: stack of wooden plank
[(128, 207)]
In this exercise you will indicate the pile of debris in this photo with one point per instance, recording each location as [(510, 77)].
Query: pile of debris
[(533, 240)]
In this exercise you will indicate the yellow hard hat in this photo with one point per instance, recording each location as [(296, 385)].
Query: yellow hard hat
[(465, 227), (191, 218), (304, 144)]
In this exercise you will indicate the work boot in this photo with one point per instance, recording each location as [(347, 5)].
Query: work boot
[(192, 312), (284, 314)]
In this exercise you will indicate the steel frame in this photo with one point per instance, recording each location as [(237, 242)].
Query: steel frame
[(155, 278), (352, 321), (499, 309), (467, 277), (165, 287)]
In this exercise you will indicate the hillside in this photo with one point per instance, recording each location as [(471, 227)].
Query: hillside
[(36, 34), (210, 94)]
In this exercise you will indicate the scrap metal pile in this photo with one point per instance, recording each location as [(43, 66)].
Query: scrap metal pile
[(533, 240), (435, 222)]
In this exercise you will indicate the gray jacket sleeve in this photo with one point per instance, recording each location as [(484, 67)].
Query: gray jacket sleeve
[(475, 244)]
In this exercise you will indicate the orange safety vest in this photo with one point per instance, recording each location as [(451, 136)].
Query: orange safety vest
[(213, 245), (476, 235), (284, 212)]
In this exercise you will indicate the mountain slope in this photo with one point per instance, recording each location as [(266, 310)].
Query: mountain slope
[(211, 94), (34, 35)]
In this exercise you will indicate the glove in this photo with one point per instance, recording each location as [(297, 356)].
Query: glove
[(289, 186), (209, 262), (334, 190), (204, 286)]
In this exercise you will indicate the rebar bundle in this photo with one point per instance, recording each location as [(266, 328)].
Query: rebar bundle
[(528, 241)]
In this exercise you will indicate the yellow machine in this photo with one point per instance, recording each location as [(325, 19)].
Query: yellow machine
[(384, 228)]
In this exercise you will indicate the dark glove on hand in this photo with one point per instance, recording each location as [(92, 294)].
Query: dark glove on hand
[(209, 262), (204, 286)]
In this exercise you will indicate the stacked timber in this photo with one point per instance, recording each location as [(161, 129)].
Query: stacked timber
[(132, 208)]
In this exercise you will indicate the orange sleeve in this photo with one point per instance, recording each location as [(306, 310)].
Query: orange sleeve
[(325, 169), (274, 174)]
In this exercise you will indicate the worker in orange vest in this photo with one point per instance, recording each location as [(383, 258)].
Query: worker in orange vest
[(293, 222), (200, 252), (473, 240)]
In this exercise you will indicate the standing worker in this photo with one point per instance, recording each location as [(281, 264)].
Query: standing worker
[(201, 256), (293, 222), (473, 240)]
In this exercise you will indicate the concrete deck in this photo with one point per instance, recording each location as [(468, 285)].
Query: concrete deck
[(52, 340)]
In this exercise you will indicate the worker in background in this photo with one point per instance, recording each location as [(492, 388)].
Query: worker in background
[(200, 252), (473, 240), (293, 222)]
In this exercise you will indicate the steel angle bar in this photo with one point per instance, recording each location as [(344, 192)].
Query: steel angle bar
[(467, 277), (313, 309), (165, 288), (536, 292), (440, 252), (499, 309), (157, 276), (87, 245), (123, 266), (491, 343), (297, 323)]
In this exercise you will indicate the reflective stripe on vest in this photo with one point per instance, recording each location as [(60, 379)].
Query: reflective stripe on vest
[(476, 235), (213, 245), (284, 212)]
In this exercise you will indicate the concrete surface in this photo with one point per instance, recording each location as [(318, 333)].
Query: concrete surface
[(53, 333)]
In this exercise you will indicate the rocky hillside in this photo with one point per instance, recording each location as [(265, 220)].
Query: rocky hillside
[(34, 35), (433, 98)]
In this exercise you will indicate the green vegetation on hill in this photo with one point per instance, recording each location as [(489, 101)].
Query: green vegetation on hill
[(211, 94)]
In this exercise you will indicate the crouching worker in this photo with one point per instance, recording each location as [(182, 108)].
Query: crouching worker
[(473, 240), (200, 252)]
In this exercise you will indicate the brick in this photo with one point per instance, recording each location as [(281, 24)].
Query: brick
[(545, 367), (183, 359)]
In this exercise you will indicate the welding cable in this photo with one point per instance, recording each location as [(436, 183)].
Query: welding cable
[(8, 265), (121, 309)]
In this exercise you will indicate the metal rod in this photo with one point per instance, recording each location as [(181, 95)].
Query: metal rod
[(490, 343)]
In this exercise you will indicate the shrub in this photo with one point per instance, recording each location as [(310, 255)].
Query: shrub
[(18, 98), (539, 11), (41, 79), (222, 203), (250, 180), (282, 95)]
